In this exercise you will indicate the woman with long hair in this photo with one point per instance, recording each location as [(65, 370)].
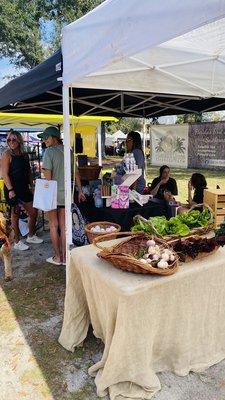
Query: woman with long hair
[(163, 184), (198, 184), (134, 145), (18, 186)]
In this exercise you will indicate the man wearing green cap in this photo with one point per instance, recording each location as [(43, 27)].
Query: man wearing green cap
[(53, 168)]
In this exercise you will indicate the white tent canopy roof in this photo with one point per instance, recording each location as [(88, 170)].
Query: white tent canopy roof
[(142, 45), (118, 135)]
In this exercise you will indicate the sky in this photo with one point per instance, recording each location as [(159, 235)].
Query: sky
[(7, 69)]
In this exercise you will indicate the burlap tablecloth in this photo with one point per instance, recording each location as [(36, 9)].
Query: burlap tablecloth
[(147, 323)]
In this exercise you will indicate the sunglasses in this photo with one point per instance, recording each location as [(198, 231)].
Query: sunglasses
[(13, 140)]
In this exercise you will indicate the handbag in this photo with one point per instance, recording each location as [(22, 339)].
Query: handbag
[(78, 227), (45, 195)]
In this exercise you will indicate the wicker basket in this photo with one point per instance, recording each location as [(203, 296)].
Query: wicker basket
[(90, 172), (103, 224), (194, 231), (124, 254)]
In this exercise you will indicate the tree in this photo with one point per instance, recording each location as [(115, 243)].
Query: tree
[(125, 125), (22, 22), (200, 117)]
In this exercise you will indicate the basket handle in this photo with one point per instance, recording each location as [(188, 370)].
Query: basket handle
[(206, 206), (147, 221), (108, 236)]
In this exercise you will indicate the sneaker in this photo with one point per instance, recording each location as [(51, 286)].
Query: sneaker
[(20, 246), (34, 239)]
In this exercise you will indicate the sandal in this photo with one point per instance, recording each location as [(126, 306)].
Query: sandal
[(52, 261)]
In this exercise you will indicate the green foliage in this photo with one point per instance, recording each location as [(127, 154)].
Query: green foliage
[(125, 125), (179, 225), (20, 38), (200, 117), (21, 25)]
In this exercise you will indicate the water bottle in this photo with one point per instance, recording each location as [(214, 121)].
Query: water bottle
[(132, 163), (127, 162)]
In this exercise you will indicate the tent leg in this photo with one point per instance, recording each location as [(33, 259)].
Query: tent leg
[(67, 170), (99, 145)]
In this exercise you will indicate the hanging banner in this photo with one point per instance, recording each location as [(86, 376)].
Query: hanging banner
[(169, 145), (207, 145), (88, 135)]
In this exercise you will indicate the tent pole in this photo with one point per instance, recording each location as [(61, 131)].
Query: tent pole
[(99, 145), (67, 170)]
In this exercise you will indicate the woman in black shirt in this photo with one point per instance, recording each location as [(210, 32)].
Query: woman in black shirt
[(163, 183), (198, 183)]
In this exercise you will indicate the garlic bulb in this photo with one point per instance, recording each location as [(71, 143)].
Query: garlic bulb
[(151, 250), (165, 257), (156, 257), (172, 257), (150, 243), (162, 264)]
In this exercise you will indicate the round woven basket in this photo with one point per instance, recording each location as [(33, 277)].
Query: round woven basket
[(103, 224), (194, 231), (124, 254)]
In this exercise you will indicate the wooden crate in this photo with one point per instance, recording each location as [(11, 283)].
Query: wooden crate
[(216, 200)]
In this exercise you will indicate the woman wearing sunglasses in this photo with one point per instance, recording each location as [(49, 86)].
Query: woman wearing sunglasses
[(18, 184)]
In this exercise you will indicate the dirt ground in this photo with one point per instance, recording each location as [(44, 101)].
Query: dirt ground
[(33, 366)]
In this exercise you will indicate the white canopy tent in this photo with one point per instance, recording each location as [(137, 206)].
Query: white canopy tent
[(118, 135), (145, 46)]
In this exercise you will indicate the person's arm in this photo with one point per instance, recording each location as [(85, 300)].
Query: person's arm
[(30, 176), (155, 187), (190, 199), (5, 174), (47, 173), (175, 190), (47, 165), (81, 196)]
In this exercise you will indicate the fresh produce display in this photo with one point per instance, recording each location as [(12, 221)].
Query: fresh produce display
[(179, 225), (221, 230), (191, 247), (156, 256)]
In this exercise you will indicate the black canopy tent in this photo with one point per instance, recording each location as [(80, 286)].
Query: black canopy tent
[(40, 91)]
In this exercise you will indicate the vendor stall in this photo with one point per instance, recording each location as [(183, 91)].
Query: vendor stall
[(147, 323)]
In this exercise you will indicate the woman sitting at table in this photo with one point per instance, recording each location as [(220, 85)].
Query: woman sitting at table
[(198, 184), (163, 185), (134, 145)]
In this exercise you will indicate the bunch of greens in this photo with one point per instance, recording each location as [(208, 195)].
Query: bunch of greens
[(179, 225), (221, 230), (195, 218)]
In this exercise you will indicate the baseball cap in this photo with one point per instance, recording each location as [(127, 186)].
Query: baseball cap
[(49, 131)]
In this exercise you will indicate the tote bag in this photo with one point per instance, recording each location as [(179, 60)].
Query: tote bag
[(45, 195)]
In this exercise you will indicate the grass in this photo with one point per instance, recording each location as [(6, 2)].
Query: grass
[(181, 175)]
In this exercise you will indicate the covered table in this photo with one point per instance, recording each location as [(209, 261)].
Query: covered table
[(123, 217), (147, 323)]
